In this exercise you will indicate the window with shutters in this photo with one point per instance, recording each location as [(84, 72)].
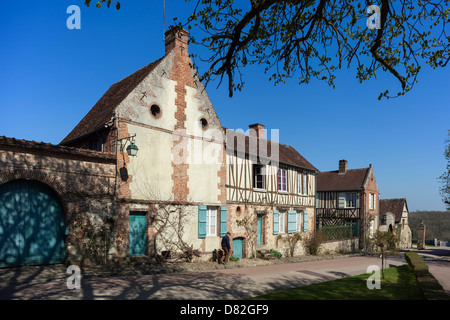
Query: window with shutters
[(299, 216), (211, 221), (282, 180), (291, 221), (259, 176), (281, 223)]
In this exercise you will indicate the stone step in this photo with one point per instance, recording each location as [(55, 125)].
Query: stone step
[(265, 254)]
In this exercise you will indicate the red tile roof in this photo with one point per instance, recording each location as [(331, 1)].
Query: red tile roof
[(53, 149), (287, 154), (103, 110), (352, 179), (394, 206)]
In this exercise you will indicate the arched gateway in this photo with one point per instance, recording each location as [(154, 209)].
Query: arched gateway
[(31, 224)]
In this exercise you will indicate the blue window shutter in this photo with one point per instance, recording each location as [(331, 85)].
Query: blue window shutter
[(275, 221), (223, 221), (202, 222), (292, 221), (305, 221)]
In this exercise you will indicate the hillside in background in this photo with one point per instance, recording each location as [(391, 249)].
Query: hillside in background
[(437, 224)]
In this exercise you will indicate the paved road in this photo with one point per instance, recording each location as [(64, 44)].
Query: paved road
[(438, 261), (226, 284)]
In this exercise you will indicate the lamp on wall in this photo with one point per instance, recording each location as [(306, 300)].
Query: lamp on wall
[(132, 149)]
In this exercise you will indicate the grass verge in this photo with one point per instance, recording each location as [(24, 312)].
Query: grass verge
[(399, 284)]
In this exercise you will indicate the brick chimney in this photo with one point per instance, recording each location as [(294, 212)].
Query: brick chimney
[(343, 165), (257, 129), (177, 39)]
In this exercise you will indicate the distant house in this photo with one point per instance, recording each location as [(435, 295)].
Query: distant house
[(348, 197), (394, 218)]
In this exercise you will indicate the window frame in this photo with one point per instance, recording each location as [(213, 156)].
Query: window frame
[(352, 196), (281, 222), (371, 201), (299, 219), (305, 184), (261, 174), (211, 222), (299, 182), (280, 179)]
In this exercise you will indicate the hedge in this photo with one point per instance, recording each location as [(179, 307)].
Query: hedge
[(429, 287)]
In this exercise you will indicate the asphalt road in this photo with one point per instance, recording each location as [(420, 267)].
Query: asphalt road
[(227, 284)]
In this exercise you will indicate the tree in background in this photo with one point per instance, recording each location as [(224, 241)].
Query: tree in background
[(445, 177), (313, 39)]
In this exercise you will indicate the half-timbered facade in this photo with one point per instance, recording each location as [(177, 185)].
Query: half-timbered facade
[(270, 183), (348, 197)]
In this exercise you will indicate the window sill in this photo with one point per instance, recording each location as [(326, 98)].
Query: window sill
[(259, 190)]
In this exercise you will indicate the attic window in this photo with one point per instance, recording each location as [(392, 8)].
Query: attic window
[(155, 110), (204, 123)]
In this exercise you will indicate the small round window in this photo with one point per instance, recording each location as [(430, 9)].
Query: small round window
[(204, 123), (155, 110)]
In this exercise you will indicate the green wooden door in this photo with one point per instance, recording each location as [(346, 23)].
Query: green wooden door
[(137, 234), (238, 246), (31, 224), (259, 230)]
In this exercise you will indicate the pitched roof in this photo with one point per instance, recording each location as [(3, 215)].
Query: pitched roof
[(53, 150), (394, 206), (287, 154), (352, 179), (103, 110)]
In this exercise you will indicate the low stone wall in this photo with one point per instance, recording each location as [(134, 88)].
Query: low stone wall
[(340, 246)]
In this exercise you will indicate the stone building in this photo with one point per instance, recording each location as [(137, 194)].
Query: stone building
[(178, 194), (394, 218)]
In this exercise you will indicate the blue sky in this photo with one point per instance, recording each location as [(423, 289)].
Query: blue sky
[(52, 76)]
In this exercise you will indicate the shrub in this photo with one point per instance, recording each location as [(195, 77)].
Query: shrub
[(313, 241), (276, 254), (429, 287)]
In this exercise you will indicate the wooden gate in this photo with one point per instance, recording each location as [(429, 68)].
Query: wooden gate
[(31, 224)]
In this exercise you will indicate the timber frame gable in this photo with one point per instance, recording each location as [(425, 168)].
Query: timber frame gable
[(348, 197)]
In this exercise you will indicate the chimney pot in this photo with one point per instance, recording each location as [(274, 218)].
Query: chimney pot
[(343, 165), (175, 37), (257, 129)]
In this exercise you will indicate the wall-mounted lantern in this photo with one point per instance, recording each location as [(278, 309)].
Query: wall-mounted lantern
[(132, 149)]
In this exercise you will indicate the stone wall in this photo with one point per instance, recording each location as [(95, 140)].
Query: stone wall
[(83, 180)]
